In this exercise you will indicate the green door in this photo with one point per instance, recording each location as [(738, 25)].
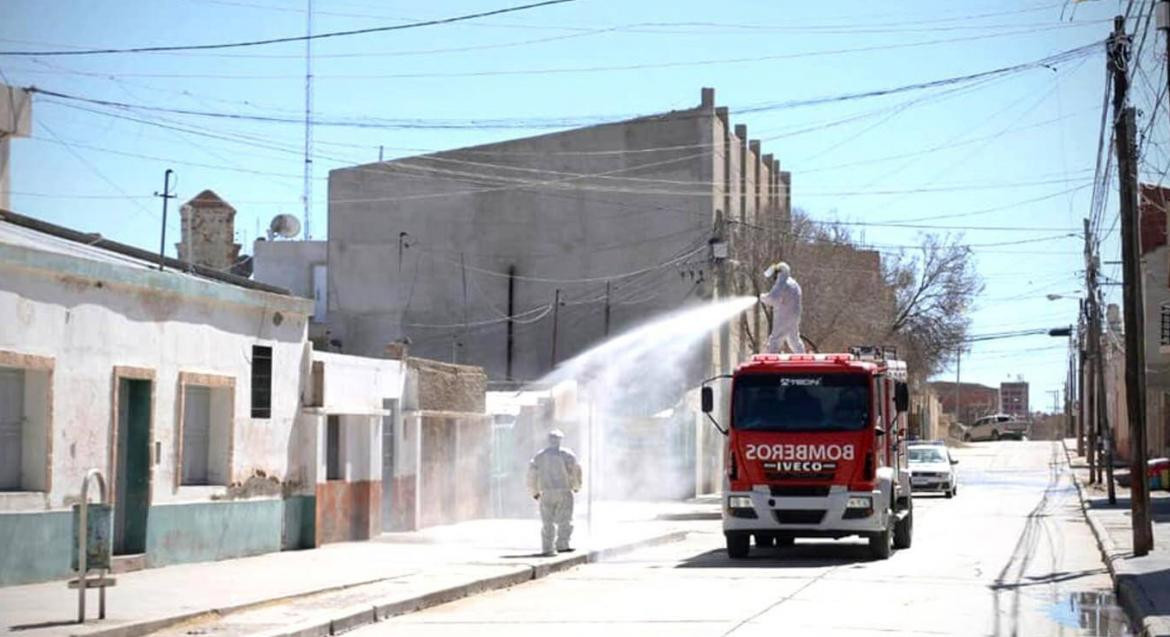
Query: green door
[(132, 483)]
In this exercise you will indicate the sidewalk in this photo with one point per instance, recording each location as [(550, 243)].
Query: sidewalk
[(1143, 583), (340, 586)]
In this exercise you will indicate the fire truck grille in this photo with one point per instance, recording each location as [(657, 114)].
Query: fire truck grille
[(823, 476), (799, 516), (800, 491)]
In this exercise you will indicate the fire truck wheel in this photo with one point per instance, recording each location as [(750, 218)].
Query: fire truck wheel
[(881, 545), (738, 545), (904, 530)]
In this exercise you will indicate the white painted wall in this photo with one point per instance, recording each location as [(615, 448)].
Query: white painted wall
[(92, 313), (356, 384)]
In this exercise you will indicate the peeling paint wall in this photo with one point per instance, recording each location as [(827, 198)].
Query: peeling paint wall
[(91, 317)]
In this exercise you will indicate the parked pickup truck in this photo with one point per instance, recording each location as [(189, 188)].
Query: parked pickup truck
[(996, 427)]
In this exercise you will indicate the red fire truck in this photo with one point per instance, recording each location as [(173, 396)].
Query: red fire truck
[(815, 449)]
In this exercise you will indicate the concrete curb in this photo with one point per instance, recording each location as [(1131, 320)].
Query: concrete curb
[(152, 625), (1130, 593), (359, 615)]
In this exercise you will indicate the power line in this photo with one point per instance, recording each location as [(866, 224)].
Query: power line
[(1046, 62), (300, 38)]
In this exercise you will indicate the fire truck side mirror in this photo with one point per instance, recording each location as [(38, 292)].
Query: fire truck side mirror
[(707, 398), (901, 397)]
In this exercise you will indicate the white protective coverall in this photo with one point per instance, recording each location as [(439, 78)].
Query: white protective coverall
[(785, 299), (553, 476)]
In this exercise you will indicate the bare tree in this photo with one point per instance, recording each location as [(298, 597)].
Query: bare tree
[(933, 292)]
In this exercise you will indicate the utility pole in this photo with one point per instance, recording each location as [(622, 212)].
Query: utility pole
[(1162, 13), (607, 309), (166, 195), (1135, 355), (511, 320), (556, 313), (1094, 396), (958, 385), (1082, 411)]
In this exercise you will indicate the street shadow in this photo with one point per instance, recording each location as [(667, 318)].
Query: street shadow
[(56, 624), (800, 555), (525, 556), (1050, 578)]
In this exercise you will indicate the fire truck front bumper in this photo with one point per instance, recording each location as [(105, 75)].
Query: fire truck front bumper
[(839, 513)]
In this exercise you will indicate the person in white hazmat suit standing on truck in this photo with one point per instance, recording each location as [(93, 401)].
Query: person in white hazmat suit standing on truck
[(554, 475), (785, 299)]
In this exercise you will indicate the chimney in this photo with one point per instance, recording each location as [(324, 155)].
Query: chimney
[(707, 102)]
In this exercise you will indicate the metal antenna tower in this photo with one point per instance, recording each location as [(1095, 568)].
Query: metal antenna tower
[(307, 188)]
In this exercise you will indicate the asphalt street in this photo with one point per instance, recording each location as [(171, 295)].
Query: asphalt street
[(1010, 555)]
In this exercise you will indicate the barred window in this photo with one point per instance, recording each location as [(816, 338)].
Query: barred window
[(1165, 324)]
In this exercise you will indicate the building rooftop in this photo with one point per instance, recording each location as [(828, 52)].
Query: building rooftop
[(31, 233)]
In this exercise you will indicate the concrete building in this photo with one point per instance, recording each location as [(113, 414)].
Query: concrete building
[(300, 267), (1013, 399), (574, 235), (976, 400), (182, 388), (1153, 203), (1116, 409), (220, 431)]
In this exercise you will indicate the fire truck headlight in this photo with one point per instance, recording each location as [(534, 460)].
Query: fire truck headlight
[(739, 502), (859, 502)]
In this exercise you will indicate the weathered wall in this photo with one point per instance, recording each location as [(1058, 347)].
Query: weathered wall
[(208, 232), (91, 312), (447, 387), (92, 316), (36, 546), (288, 264), (596, 203), (213, 530)]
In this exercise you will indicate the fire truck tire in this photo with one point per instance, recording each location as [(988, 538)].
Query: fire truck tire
[(904, 530), (738, 545), (881, 545)]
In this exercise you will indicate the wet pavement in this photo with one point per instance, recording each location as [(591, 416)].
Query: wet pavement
[(1010, 555)]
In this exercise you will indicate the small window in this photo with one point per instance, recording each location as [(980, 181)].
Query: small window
[(261, 381), (207, 416), (1165, 324), (333, 449), (24, 429)]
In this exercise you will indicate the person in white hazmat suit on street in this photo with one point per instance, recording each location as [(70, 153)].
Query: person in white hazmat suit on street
[(554, 475), (785, 299)]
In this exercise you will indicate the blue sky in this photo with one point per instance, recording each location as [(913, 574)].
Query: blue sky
[(1015, 153)]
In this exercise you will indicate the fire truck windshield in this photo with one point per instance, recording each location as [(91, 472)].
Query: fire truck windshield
[(801, 402)]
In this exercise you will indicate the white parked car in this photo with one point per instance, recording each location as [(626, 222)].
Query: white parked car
[(996, 427), (933, 469)]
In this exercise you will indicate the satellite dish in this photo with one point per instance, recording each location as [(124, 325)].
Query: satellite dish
[(286, 226)]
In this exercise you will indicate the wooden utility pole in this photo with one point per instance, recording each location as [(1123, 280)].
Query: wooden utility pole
[(607, 309), (1135, 356), (1082, 413), (511, 321), (556, 313), (1093, 354)]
